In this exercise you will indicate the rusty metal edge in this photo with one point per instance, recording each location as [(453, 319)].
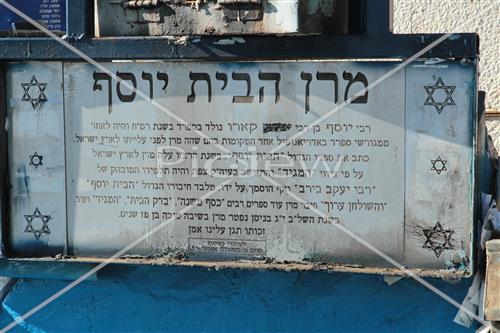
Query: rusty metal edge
[(71, 267)]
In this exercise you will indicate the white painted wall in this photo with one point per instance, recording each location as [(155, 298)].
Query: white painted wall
[(481, 16)]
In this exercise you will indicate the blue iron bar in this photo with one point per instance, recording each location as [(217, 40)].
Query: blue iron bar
[(216, 48), (76, 18)]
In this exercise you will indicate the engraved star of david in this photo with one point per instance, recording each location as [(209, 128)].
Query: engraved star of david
[(439, 165), (438, 239), (38, 101), (44, 229), (36, 160), (439, 85)]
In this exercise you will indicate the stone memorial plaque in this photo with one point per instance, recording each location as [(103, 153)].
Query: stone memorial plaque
[(35, 121), (215, 162)]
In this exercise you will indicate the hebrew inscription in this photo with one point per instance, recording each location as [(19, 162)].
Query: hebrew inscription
[(196, 77), (188, 147), (135, 167)]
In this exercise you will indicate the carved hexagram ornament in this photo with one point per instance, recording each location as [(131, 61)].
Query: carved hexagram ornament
[(36, 160), (36, 101), (37, 231), (439, 165), (432, 99), (438, 239)]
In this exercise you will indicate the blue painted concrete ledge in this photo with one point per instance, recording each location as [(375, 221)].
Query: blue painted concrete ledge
[(180, 299)]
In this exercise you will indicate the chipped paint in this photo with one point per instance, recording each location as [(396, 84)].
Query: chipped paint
[(71, 262), (230, 41)]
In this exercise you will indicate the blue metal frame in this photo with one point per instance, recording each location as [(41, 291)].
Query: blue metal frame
[(254, 47), (77, 23)]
